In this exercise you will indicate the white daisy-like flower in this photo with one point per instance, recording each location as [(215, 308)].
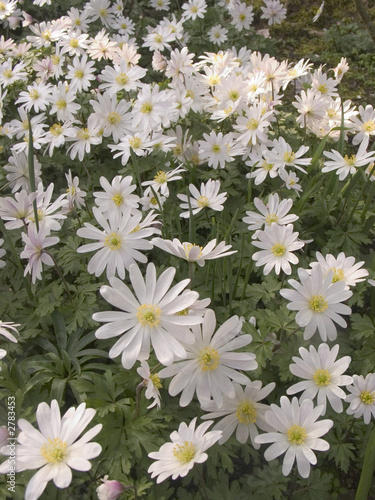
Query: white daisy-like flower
[(318, 302), (150, 317), (362, 397), (296, 433), (192, 252), (345, 165), (323, 375), (274, 211), (207, 197), (343, 268), (253, 127), (118, 242), (55, 448), (211, 364), (364, 125), (277, 244), (283, 155), (161, 179), (152, 383), (35, 244), (117, 195), (243, 413), (188, 447), (6, 327), (193, 9)]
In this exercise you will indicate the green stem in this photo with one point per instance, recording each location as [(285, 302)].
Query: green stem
[(60, 274), (32, 172), (367, 469)]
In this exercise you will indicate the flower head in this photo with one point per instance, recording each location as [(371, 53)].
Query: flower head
[(55, 448), (188, 447), (296, 433), (362, 397)]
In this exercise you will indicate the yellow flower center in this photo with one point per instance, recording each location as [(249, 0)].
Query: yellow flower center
[(188, 247), (46, 35), (246, 413), (296, 434), (242, 17), (216, 148), (369, 126), (34, 94), (203, 201), (84, 134), (271, 218), (184, 452), (323, 89), (194, 9), (318, 303), (60, 104), (289, 157), (56, 129), (74, 43), (117, 199), (122, 79), (103, 12), (184, 312), (161, 177), (158, 38), (114, 117), (252, 124), (154, 377), (322, 377), (77, 22), (8, 73), (149, 315), (214, 80), (234, 95), (113, 241), (2, 6), (338, 274), (79, 74), (209, 359), (278, 250), (146, 108), (292, 73), (350, 161), (267, 166), (332, 113), (54, 450), (367, 397), (135, 142)]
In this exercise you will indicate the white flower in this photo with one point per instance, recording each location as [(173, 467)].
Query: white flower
[(274, 211), (35, 243), (318, 302), (211, 364), (5, 326), (208, 196), (54, 449), (243, 413), (151, 316), (282, 155), (253, 126), (192, 252), (296, 433), (118, 242), (193, 9), (242, 15), (274, 11), (345, 165), (161, 179), (343, 268), (215, 149), (322, 374), (152, 383), (278, 243), (75, 194), (217, 34), (318, 12), (362, 397), (188, 447), (117, 195), (364, 125)]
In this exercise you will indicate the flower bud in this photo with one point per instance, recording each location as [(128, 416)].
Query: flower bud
[(109, 490)]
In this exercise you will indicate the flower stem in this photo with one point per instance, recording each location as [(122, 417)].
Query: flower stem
[(60, 274), (367, 469)]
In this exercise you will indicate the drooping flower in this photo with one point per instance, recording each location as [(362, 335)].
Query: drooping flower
[(188, 447), (55, 448), (192, 252)]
